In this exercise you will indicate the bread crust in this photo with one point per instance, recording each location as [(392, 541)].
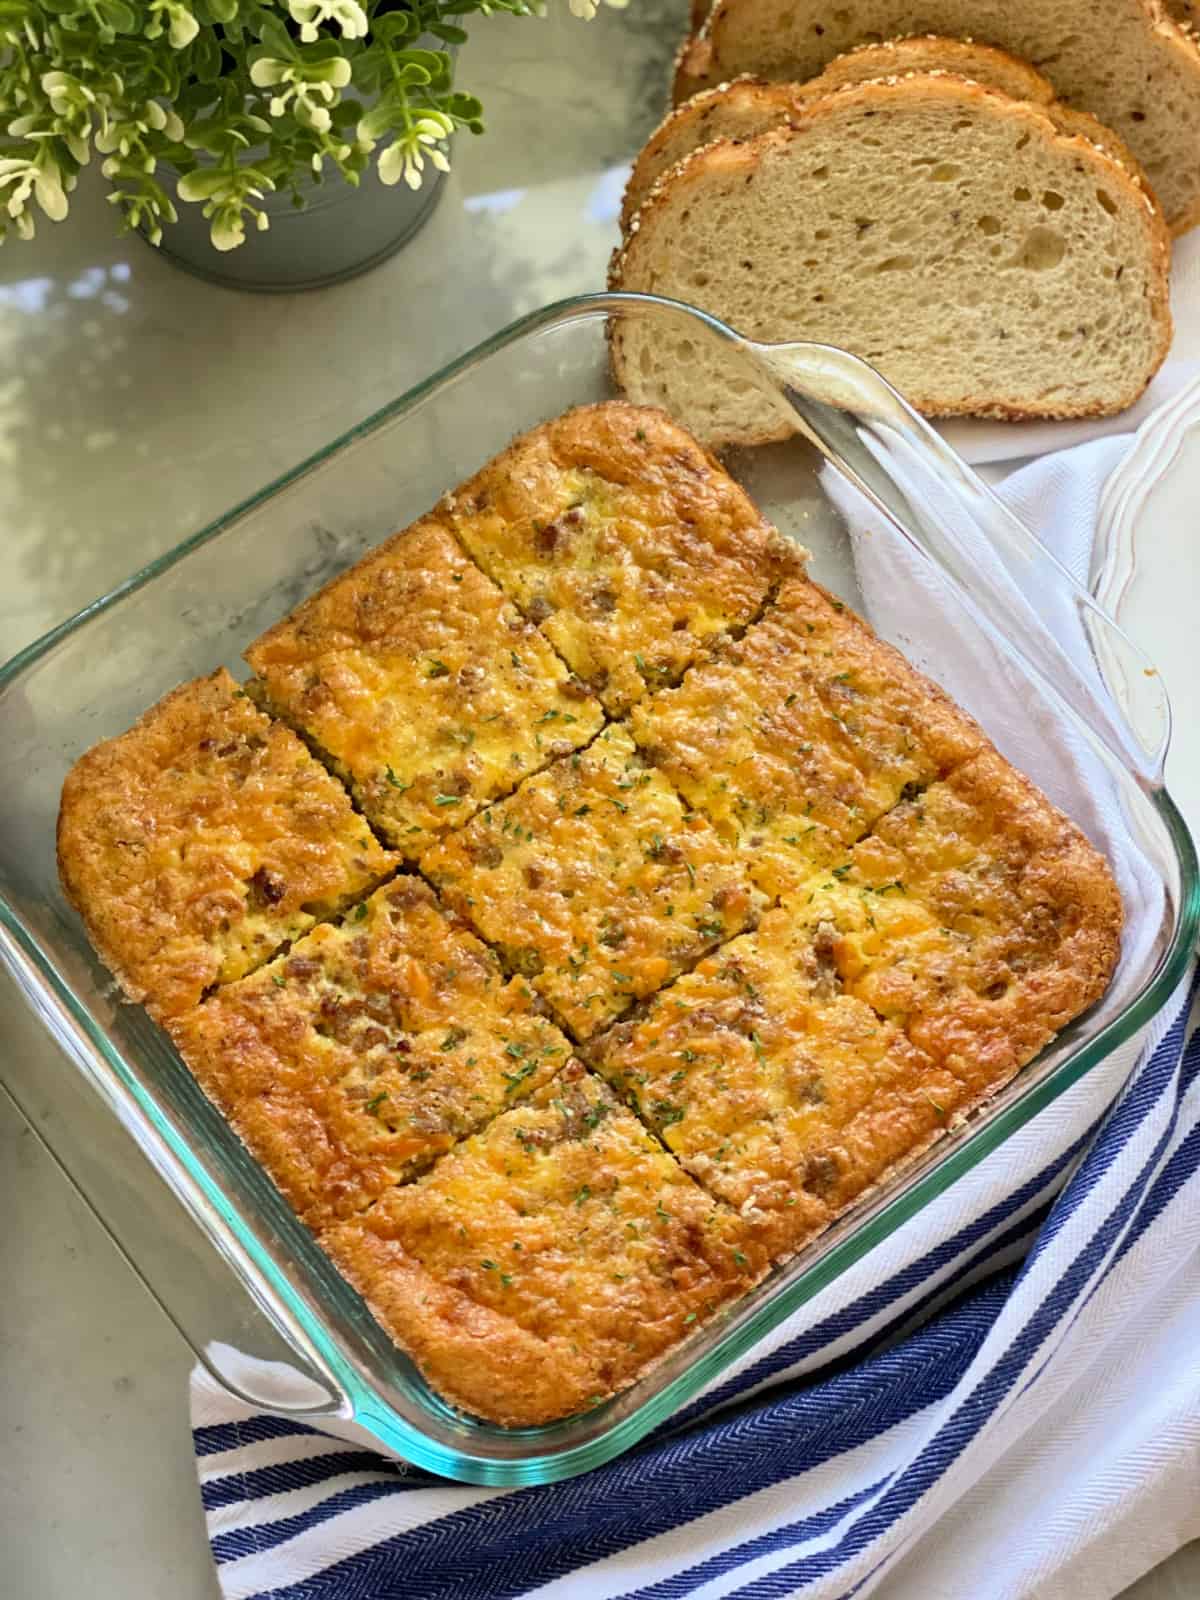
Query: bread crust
[(773, 100), (728, 158), (197, 843), (698, 66), (894, 57)]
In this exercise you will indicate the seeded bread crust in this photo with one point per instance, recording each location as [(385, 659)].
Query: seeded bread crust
[(1152, 102), (748, 105), (636, 265)]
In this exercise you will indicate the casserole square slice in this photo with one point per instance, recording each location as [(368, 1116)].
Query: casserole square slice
[(203, 839), (628, 545), (796, 738), (976, 916), (426, 690), (546, 1262), (354, 1061), (595, 881), (782, 1094)]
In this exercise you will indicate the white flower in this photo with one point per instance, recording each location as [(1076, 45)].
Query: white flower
[(39, 178), (182, 26), (405, 157), (228, 230), (206, 183), (267, 72), (348, 15), (312, 86), (48, 187), (585, 10)]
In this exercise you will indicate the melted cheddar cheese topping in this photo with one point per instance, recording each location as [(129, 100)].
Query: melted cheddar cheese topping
[(796, 738), (974, 917), (784, 1095), (199, 842), (546, 1261), (351, 1063), (798, 915), (623, 540), (426, 689), (594, 881)]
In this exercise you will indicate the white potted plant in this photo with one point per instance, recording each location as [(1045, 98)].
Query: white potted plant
[(271, 143)]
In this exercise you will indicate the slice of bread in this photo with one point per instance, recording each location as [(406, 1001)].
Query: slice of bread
[(987, 261), (932, 52), (749, 106), (1129, 62)]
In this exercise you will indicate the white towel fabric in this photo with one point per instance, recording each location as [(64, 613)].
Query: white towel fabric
[(939, 1423)]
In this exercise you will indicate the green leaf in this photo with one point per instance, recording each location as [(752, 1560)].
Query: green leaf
[(206, 59), (277, 39), (464, 108), (346, 113), (118, 15), (393, 27), (448, 32)]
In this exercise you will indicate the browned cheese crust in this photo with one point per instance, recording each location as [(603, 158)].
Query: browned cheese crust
[(547, 1262), (426, 689), (595, 881), (353, 1062), (976, 916), (199, 842), (779, 1091), (625, 542), (794, 739), (801, 914)]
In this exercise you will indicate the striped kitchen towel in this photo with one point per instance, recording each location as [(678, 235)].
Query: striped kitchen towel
[(1003, 1400)]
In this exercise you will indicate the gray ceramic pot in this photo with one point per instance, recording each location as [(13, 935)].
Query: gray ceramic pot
[(340, 232)]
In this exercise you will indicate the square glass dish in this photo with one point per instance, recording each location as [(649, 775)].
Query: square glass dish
[(884, 506)]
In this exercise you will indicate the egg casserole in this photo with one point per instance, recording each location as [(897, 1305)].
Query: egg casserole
[(579, 910)]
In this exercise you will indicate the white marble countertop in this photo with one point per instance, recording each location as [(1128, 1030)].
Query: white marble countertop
[(135, 404)]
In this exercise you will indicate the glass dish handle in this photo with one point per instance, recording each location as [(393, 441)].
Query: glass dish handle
[(147, 1204), (912, 475)]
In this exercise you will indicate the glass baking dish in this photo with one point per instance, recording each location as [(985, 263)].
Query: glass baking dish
[(867, 487)]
